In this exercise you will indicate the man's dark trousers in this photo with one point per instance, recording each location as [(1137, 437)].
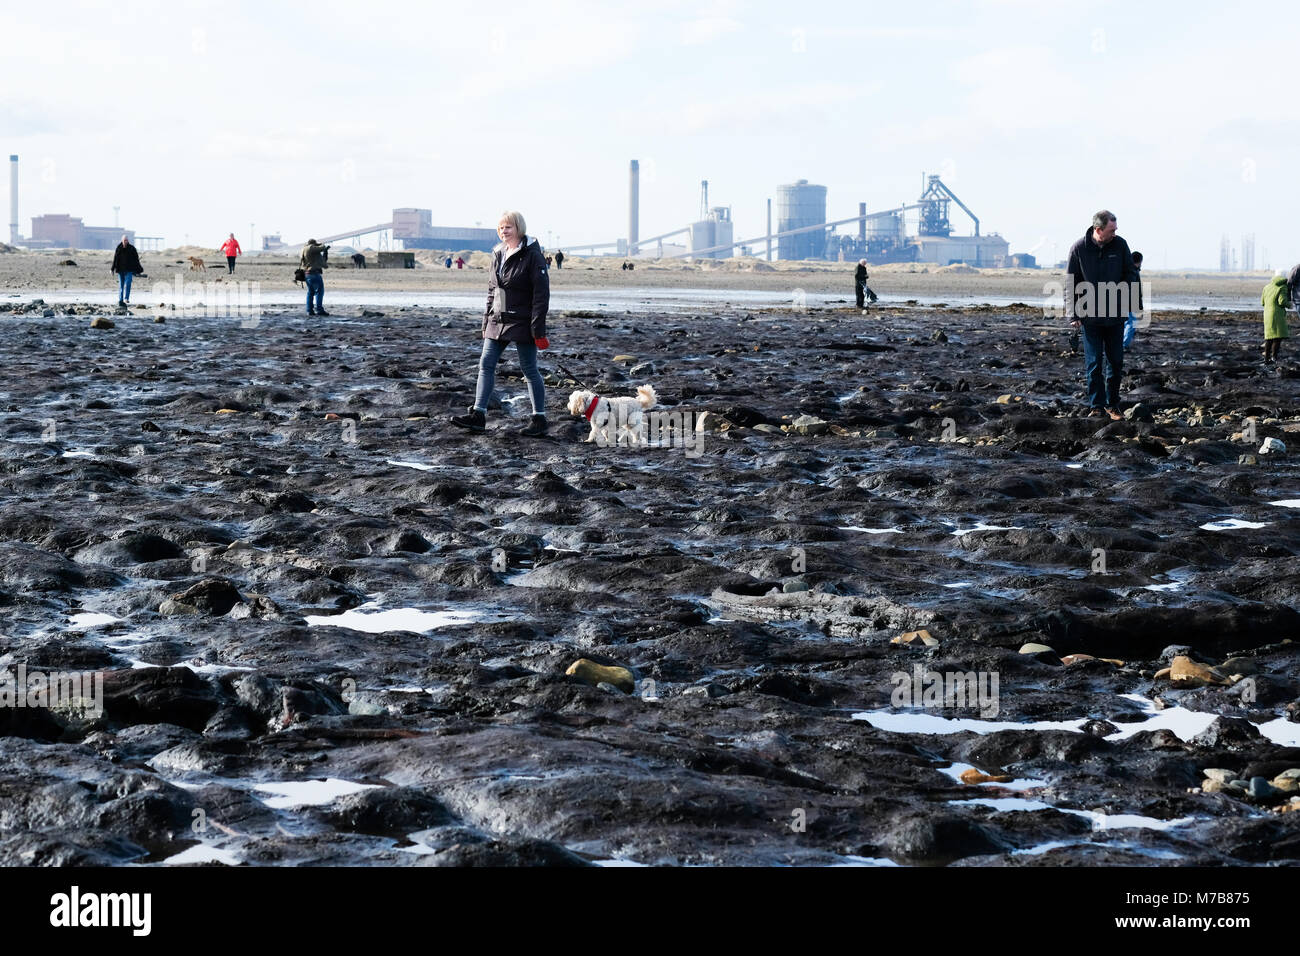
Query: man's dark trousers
[(1103, 361)]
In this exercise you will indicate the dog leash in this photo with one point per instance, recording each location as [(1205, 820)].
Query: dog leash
[(572, 376)]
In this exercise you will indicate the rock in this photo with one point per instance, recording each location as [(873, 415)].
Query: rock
[(644, 368), (589, 672), (1227, 733), (1186, 672), (1272, 446), (608, 688), (213, 596), (810, 425), (921, 638), (1219, 774), (973, 776), (1006, 399), (1292, 774), (1174, 650), (1141, 412), (1285, 784), (160, 319), (624, 358), (793, 585), (387, 811), (1247, 460), (100, 322), (1244, 666), (709, 690), (939, 336), (1213, 786), (1261, 789), (767, 429), (1099, 728), (1032, 648)]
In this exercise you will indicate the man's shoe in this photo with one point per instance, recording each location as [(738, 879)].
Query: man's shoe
[(536, 428), (475, 421), (321, 312), (309, 312), (1114, 414)]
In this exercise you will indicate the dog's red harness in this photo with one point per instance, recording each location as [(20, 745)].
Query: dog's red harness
[(591, 409)]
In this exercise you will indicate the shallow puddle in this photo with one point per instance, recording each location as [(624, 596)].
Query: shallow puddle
[(372, 621), (308, 793)]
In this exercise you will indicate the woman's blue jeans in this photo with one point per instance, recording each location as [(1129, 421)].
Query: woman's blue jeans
[(487, 369)]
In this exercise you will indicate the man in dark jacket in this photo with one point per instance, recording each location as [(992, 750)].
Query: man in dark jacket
[(559, 259), (126, 263), (860, 284), (312, 261), (519, 295), (1101, 289)]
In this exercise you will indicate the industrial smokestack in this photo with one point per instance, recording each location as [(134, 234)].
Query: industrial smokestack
[(769, 230), (13, 200), (633, 205)]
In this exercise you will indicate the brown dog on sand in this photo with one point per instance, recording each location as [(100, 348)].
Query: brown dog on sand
[(196, 264)]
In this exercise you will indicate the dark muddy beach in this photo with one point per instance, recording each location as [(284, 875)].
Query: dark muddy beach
[(333, 630)]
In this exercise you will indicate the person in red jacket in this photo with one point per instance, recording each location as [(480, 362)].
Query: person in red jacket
[(231, 248)]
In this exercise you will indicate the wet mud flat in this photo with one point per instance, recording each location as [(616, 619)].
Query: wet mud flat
[(332, 630)]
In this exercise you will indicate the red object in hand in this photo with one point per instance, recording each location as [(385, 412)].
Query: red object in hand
[(542, 343)]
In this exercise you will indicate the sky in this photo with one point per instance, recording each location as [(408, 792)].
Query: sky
[(201, 118)]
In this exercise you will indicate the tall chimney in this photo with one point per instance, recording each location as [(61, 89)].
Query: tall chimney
[(633, 204), (769, 229), (862, 223), (13, 200)]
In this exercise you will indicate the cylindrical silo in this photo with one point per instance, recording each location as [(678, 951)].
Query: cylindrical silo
[(702, 236), (633, 206), (797, 205)]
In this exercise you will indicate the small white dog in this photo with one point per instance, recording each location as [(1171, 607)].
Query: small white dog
[(614, 421)]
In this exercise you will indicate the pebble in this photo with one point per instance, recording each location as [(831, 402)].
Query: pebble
[(99, 322), (1032, 648), (1189, 673), (921, 638), (791, 586), (1285, 784), (810, 425), (1213, 786), (589, 672), (973, 776), (1219, 774), (1261, 789)]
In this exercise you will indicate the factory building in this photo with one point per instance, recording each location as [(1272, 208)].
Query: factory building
[(61, 231), (415, 229), (713, 230)]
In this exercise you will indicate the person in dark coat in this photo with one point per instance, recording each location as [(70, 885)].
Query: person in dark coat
[(559, 259), (126, 263), (860, 284), (519, 294), (1101, 276)]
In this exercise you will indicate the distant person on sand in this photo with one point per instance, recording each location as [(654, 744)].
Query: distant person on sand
[(460, 263), (231, 249), (447, 262), (126, 263), (312, 261), (519, 294), (1275, 300), (1101, 273), (1131, 323), (860, 288), (559, 259)]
